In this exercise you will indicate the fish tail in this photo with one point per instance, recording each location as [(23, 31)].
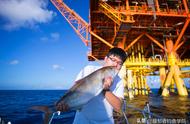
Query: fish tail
[(47, 112)]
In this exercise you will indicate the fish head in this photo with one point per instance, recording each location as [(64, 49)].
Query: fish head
[(61, 106), (110, 71)]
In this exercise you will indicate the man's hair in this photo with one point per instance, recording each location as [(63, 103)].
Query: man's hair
[(118, 52)]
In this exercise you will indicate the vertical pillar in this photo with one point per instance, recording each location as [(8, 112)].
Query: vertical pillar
[(181, 88), (139, 84), (142, 51), (130, 83), (142, 83), (167, 83), (174, 72), (139, 52), (133, 54), (172, 86), (121, 44), (171, 62), (146, 87), (127, 5), (135, 83), (157, 6), (162, 76)]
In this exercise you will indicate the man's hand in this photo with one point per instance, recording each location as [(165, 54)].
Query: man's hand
[(107, 83)]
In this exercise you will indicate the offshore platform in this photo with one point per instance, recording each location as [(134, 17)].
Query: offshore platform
[(154, 33)]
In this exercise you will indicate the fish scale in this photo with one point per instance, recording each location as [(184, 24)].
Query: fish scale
[(85, 89)]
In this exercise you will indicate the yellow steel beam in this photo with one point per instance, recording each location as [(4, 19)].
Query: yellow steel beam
[(184, 63), (139, 52), (110, 12), (162, 75), (145, 64), (115, 15), (182, 91), (185, 71), (135, 84), (172, 86), (142, 83), (160, 63), (130, 84), (139, 85), (167, 83)]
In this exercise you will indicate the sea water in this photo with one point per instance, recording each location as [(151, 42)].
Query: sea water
[(15, 106)]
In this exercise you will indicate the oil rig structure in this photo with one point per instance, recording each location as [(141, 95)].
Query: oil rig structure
[(154, 33)]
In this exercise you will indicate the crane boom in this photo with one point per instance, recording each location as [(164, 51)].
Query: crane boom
[(80, 26)]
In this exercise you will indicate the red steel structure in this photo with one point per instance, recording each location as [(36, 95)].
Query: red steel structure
[(155, 33)]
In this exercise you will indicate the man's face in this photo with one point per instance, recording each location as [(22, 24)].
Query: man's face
[(113, 61)]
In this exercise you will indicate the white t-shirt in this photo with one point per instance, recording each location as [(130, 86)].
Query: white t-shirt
[(98, 110)]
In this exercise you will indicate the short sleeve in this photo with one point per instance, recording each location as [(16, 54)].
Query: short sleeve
[(120, 90), (118, 87), (86, 71)]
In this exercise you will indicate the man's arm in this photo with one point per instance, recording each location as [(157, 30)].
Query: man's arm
[(115, 101)]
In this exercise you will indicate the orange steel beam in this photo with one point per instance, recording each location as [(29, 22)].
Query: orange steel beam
[(116, 28), (100, 62), (134, 41), (122, 43), (101, 39), (186, 7), (157, 6), (77, 23), (181, 33), (93, 57), (155, 41), (178, 46), (144, 11), (127, 5)]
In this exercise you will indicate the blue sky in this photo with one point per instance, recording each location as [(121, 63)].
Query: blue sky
[(38, 48)]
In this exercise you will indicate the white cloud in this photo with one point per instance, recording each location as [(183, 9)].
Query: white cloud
[(14, 62), (24, 13), (57, 67), (55, 36), (44, 39)]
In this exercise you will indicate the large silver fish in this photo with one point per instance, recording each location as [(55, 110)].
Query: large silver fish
[(85, 89)]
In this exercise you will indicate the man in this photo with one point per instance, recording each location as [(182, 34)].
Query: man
[(99, 110)]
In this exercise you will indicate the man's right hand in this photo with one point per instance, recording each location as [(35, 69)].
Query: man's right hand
[(107, 82)]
